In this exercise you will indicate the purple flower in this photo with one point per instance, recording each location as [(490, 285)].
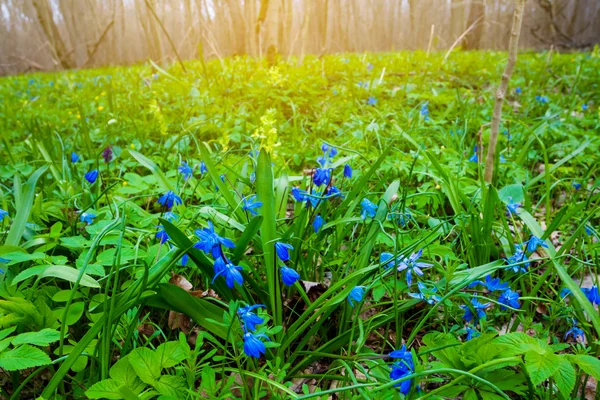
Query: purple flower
[(107, 154)]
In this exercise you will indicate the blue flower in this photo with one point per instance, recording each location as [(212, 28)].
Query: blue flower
[(250, 319), (334, 192), (253, 346), (425, 111), (474, 158), (162, 235), (584, 107), (385, 257), (252, 177), (250, 204), (322, 176), (402, 369), (541, 99), (231, 272), (347, 171), (534, 242), (185, 170), (107, 154), (203, 168), (318, 223), (588, 230), (426, 294), (512, 207), (333, 152), (592, 294), (519, 256), (370, 67), (371, 101), (210, 242), (88, 218), (576, 332), (491, 284), (283, 251), (3, 214), (471, 333), (170, 216), (518, 90), (479, 310), (74, 157), (356, 294), (289, 276), (369, 208), (565, 292), (400, 218), (184, 259), (576, 185), (324, 147), (91, 176), (299, 194), (411, 265), (168, 199), (509, 298)]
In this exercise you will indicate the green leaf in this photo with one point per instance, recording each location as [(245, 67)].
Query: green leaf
[(73, 315), (124, 373), (565, 377), (105, 389), (514, 192), (170, 354), (41, 338), (146, 364), (589, 364), (146, 162), (268, 232), (541, 365), (516, 343), (23, 210), (57, 271), (200, 310), (23, 357), (172, 386)]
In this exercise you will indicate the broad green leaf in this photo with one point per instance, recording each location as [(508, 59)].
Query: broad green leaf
[(564, 377), (146, 364), (73, 315), (57, 271), (41, 338), (105, 389), (172, 386), (541, 365), (590, 365), (170, 354), (514, 192), (156, 171), (23, 357)]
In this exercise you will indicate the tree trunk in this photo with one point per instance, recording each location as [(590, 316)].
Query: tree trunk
[(476, 17)]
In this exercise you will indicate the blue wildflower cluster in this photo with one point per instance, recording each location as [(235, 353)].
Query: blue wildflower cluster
[(253, 345), (519, 260), (402, 368), (289, 276), (211, 243)]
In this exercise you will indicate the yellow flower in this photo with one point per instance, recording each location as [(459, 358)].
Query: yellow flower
[(125, 183), (267, 132), (78, 116), (103, 94), (437, 186), (100, 108), (132, 146)]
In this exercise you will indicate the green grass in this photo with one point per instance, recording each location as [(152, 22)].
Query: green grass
[(95, 309)]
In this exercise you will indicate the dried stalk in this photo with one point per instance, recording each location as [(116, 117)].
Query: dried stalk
[(501, 92)]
